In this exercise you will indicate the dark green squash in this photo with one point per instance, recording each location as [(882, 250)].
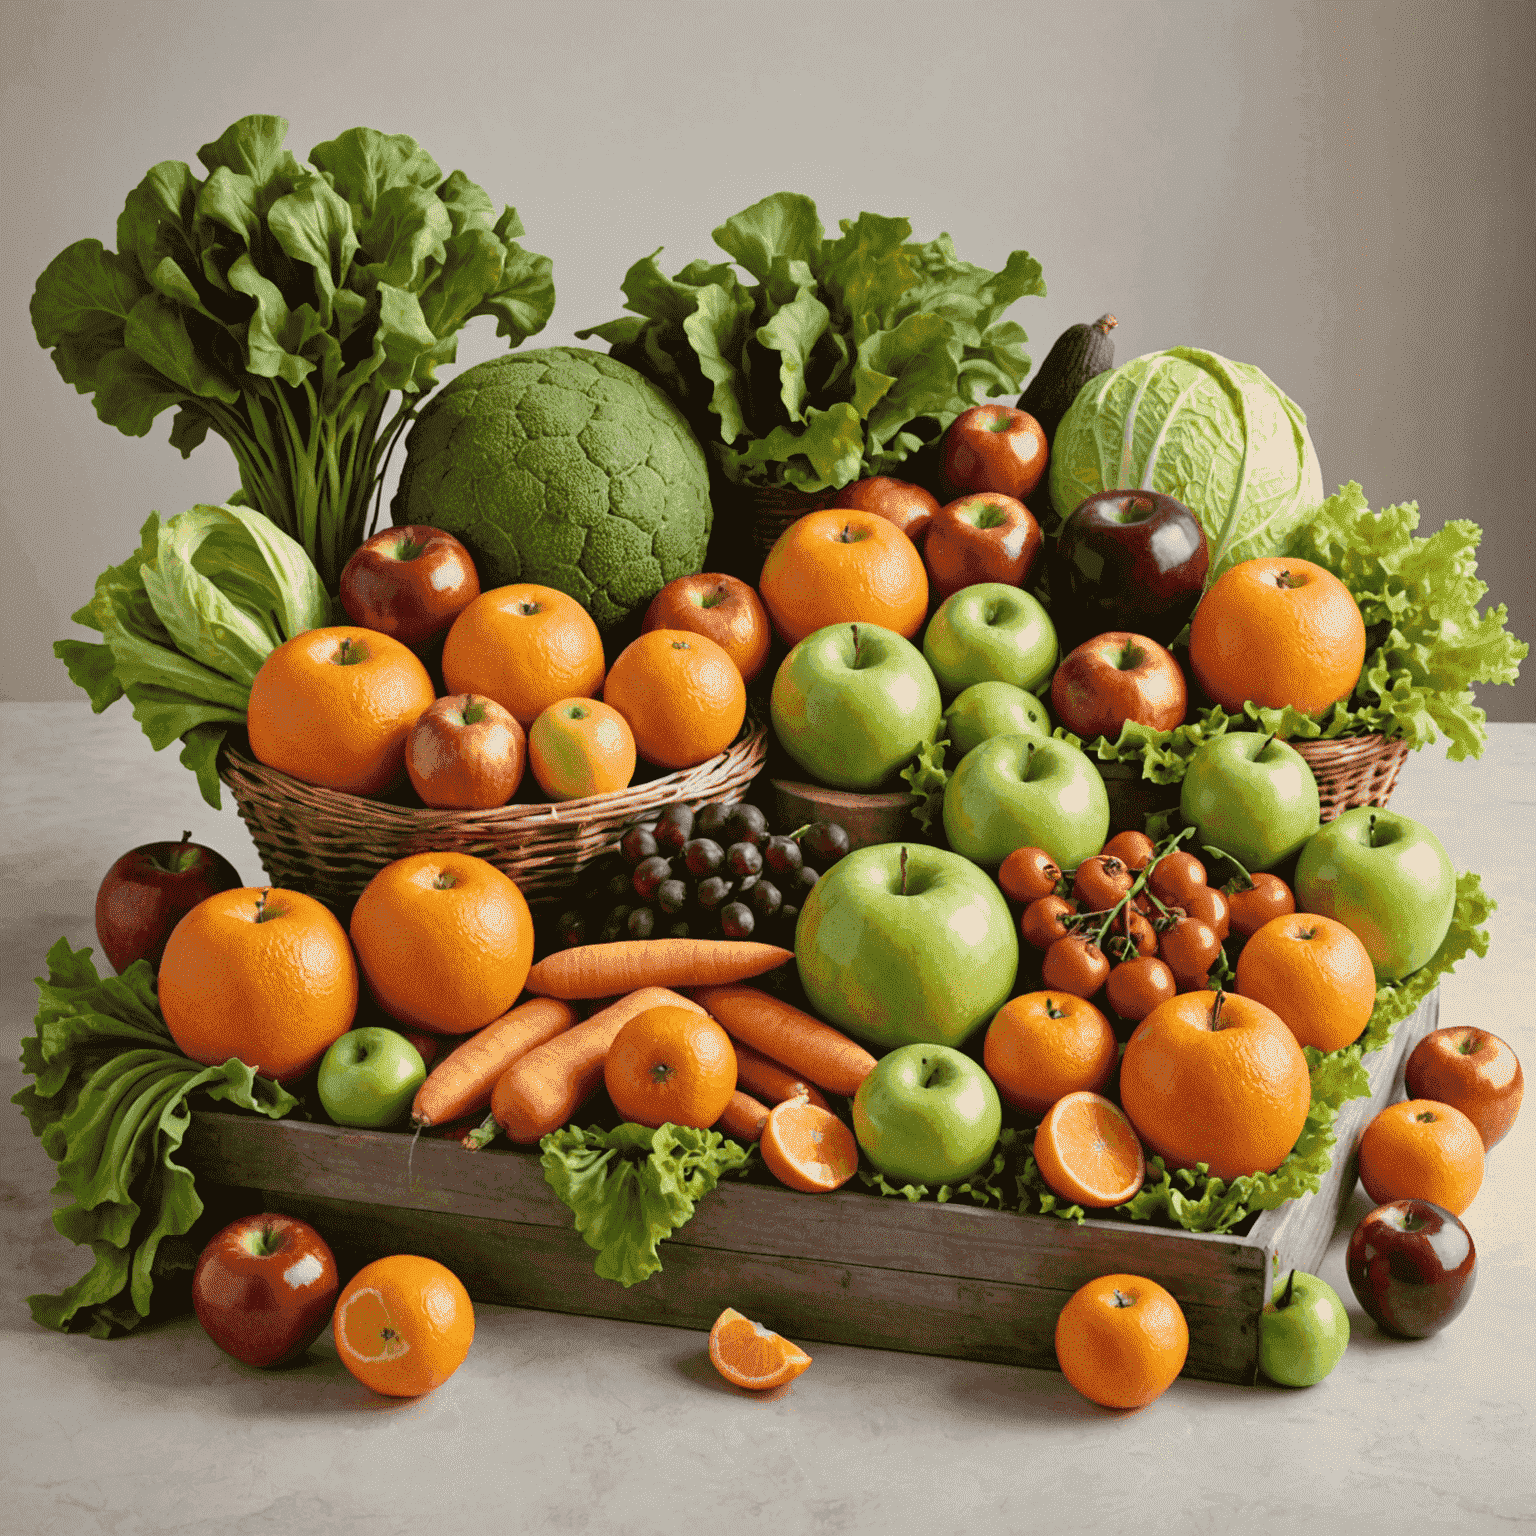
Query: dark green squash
[(1080, 353)]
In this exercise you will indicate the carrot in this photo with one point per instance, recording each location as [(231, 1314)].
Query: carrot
[(770, 1080), (461, 1083), (744, 1118), (823, 1055), (607, 970), (540, 1092)]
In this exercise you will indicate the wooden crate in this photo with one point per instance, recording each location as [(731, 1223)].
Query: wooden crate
[(847, 1268)]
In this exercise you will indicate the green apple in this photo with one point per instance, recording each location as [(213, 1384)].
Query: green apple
[(990, 632), (852, 703), (369, 1077), (903, 942), (993, 709), (1252, 796), (927, 1114), (1026, 792), (1388, 879), (1303, 1332)]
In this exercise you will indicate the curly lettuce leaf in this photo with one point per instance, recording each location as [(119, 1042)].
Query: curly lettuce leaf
[(926, 775)]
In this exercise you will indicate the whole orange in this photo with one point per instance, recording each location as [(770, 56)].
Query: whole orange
[(1277, 631), (264, 975), (1216, 1078), (1041, 1046), (1419, 1149), (839, 566), (403, 1325), (580, 747), (334, 706), (671, 1065), (681, 694), (445, 941), (1121, 1340), (1315, 974), (723, 609), (525, 646)]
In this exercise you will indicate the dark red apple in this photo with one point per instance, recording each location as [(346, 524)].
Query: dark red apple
[(995, 448), (1411, 1265), (986, 537), (149, 890), (1117, 677), (264, 1288), (1472, 1071), (1128, 560), (410, 583), (909, 506)]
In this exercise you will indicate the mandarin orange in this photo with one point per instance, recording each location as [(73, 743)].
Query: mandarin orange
[(682, 696)]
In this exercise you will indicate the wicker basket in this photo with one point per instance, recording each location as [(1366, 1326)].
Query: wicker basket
[(750, 519), (1354, 770), (330, 845)]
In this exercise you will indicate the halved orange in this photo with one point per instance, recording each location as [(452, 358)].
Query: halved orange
[(808, 1148), (751, 1356), (1088, 1151)]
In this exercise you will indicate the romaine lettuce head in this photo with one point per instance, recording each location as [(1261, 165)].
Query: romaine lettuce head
[(1216, 435)]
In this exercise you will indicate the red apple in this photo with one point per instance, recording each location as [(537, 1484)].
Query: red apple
[(1411, 1265), (264, 1288), (1472, 1071), (149, 890), (466, 753), (995, 448), (1117, 677), (986, 537), (909, 506), (410, 583), (721, 608)]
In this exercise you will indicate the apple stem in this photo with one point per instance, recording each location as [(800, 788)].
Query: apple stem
[(1284, 1299), (1268, 743), (855, 629), (903, 869)]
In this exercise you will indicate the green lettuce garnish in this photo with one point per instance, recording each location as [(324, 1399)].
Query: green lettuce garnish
[(109, 1102), (984, 1187), (633, 1186)]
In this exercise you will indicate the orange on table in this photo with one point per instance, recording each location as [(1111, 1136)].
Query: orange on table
[(403, 1325), (837, 567), (670, 1065), (333, 707), (1420, 1149), (1278, 631), (808, 1148), (681, 694), (1041, 1045), (525, 646), (750, 1356), (1121, 1341), (445, 941), (1088, 1152), (261, 974), (1315, 974), (580, 747), (721, 608)]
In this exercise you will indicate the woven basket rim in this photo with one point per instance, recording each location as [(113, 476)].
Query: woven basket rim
[(1370, 745)]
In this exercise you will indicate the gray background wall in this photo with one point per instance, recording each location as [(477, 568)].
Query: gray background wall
[(1339, 191)]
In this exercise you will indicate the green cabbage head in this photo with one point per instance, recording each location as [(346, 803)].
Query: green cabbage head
[(1213, 434)]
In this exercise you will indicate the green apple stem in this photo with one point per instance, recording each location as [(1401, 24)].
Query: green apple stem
[(1283, 1300), (903, 869), (855, 629)]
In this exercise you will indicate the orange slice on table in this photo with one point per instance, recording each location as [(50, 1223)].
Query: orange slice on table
[(808, 1148), (751, 1356), (1088, 1151)]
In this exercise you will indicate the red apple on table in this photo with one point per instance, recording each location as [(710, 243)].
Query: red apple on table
[(1473, 1071), (264, 1288), (909, 506), (995, 448), (410, 583), (1117, 677), (149, 890), (1411, 1265), (721, 608), (466, 753), (984, 537)]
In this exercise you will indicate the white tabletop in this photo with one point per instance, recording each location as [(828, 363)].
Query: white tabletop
[(572, 1424)]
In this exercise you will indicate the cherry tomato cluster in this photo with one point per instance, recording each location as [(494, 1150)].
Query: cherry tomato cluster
[(1139, 921)]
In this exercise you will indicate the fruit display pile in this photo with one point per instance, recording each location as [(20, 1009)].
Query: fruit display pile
[(1020, 988)]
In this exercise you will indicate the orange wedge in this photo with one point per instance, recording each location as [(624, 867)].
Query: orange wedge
[(808, 1148), (1088, 1151), (749, 1355)]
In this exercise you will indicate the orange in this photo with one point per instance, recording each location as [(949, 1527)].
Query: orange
[(671, 1065), (403, 1325), (526, 647), (749, 1356), (1121, 1341), (1277, 631), (721, 608), (837, 567), (1421, 1150), (334, 706), (1315, 974), (1088, 1152), (1216, 1078), (681, 694), (264, 975), (445, 941), (808, 1148), (1042, 1045), (580, 747)]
